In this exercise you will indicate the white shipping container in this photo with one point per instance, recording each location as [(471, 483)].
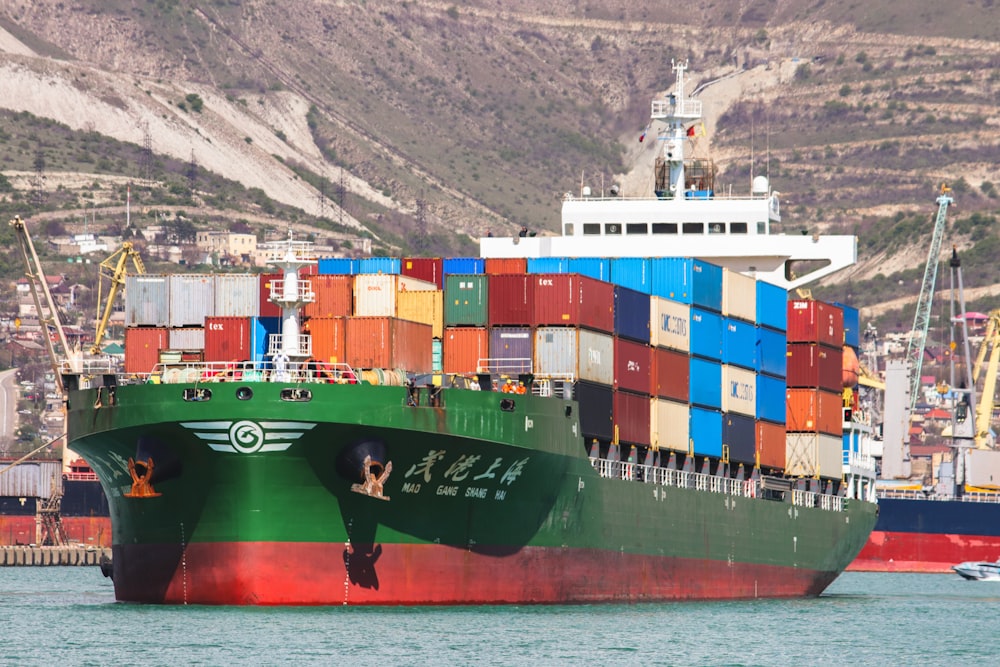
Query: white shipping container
[(983, 468), (669, 424), (237, 295), (811, 454), (739, 390), (147, 301), (739, 296), (375, 295), (192, 299), (189, 338), (582, 354), (669, 324)]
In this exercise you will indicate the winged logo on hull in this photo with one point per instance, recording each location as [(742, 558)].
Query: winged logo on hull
[(248, 437)]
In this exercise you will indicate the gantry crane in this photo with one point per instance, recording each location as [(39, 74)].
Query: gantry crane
[(113, 271)]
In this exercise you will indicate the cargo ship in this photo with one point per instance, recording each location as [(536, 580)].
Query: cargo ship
[(533, 428)]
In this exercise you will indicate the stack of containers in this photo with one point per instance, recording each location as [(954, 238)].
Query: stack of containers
[(325, 318), (851, 367), (739, 366), (510, 316), (772, 324), (814, 441), (465, 337), (633, 357)]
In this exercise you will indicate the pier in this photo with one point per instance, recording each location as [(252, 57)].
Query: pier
[(28, 555)]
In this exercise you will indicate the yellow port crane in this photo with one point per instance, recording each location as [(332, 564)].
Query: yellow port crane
[(113, 271), (984, 406)]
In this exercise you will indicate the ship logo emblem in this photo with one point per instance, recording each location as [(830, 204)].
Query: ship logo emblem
[(248, 437)]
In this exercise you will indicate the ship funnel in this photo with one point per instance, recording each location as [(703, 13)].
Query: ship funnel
[(760, 185)]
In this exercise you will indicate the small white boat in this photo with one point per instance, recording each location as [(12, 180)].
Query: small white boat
[(978, 570)]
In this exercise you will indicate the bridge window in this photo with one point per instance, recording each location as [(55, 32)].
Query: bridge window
[(568, 229), (664, 227), (716, 228), (613, 228), (737, 228), (693, 228), (636, 228), (591, 229)]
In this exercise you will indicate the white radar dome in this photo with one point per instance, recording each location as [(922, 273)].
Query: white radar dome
[(759, 185)]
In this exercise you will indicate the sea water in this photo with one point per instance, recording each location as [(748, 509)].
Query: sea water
[(68, 616)]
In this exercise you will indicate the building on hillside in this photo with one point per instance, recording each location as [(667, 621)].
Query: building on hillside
[(230, 247)]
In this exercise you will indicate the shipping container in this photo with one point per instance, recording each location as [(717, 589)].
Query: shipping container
[(739, 391), (465, 349), (983, 468), (437, 355), (771, 397), (852, 325), (631, 314), (466, 300), (375, 295), (596, 405), (739, 343), (706, 383), (429, 269), (227, 338), (147, 301), (426, 307), (633, 363), (267, 307), (705, 431), (811, 365), (632, 272), (706, 334), (511, 349), (706, 283), (548, 265), (814, 410), (500, 265), (333, 296), (669, 324), (338, 266), (463, 266), (671, 374), (261, 330), (739, 296), (237, 295), (192, 298), (329, 338), (772, 306), (29, 479), (669, 424), (771, 444), (813, 454), (811, 321), (512, 300), (376, 265), (187, 338), (577, 353), (631, 418), (689, 281), (772, 352), (598, 268), (739, 435), (388, 342), (573, 300), (142, 348)]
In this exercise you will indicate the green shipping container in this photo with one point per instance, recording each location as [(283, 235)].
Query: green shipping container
[(466, 300)]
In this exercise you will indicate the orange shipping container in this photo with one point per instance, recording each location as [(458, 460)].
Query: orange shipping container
[(771, 444), (814, 410), (329, 336), (498, 265), (463, 348), (388, 342), (142, 348), (333, 296), (426, 307)]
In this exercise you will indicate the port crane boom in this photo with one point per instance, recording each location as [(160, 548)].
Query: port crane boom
[(114, 271)]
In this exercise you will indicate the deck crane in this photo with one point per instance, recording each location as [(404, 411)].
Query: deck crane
[(113, 271), (922, 317), (984, 407)]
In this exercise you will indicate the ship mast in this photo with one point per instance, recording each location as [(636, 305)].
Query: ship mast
[(675, 111), (290, 293)]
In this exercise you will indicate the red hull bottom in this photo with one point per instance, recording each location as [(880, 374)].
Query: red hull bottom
[(325, 574), (922, 552), (91, 531)]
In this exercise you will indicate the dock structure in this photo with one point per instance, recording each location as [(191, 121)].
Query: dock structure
[(34, 555)]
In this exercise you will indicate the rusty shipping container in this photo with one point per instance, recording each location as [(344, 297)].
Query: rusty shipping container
[(426, 307), (192, 298), (573, 300), (811, 365), (632, 417), (814, 410), (811, 321), (147, 301), (388, 342), (237, 295), (633, 370), (333, 296), (464, 349), (142, 348), (814, 454), (578, 353), (329, 338), (669, 424), (227, 338), (770, 443), (500, 265), (428, 269)]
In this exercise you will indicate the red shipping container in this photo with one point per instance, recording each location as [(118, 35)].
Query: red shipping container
[(227, 339), (771, 444), (142, 348), (329, 338), (671, 374), (462, 348), (424, 268), (632, 366), (268, 309), (811, 365), (499, 265), (387, 342), (334, 296), (573, 300), (512, 300), (631, 417), (814, 410), (812, 321)]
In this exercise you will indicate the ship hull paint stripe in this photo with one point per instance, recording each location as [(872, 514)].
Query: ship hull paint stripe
[(270, 573), (956, 517), (923, 552)]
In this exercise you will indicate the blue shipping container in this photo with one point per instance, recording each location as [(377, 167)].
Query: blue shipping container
[(706, 334), (706, 285), (385, 265), (772, 352), (633, 273), (772, 306), (672, 278), (705, 431), (771, 399), (598, 268), (260, 329), (739, 434), (463, 265), (739, 343), (548, 265), (852, 325), (337, 266), (631, 314), (705, 384)]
